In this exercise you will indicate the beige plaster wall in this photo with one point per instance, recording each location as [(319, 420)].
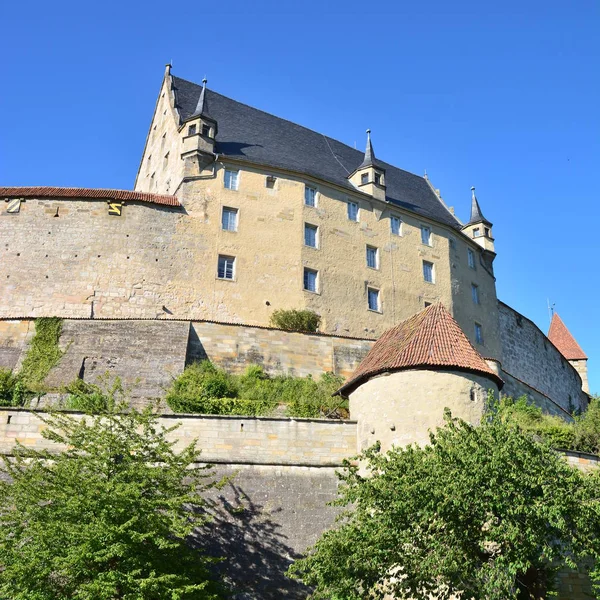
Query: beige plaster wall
[(400, 408)]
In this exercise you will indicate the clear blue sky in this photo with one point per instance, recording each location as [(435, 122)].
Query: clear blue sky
[(504, 96)]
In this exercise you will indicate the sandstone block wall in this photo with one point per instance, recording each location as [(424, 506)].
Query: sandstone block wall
[(529, 357)]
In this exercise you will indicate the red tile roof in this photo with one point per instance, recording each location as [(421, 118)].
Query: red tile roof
[(96, 194), (561, 337), (429, 339)]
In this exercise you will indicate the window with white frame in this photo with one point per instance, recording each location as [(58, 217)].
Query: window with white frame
[(311, 235), (395, 225), (428, 272), (476, 232), (426, 235), (364, 178), (229, 219), (311, 280), (226, 267), (478, 333), (471, 258), (372, 257), (352, 211), (231, 179), (373, 299), (310, 196), (475, 293)]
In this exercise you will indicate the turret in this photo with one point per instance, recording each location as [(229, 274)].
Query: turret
[(369, 176), (478, 227)]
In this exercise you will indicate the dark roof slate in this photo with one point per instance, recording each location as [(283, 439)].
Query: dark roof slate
[(476, 214), (249, 134)]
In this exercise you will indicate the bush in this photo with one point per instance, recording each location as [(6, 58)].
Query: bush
[(93, 399), (296, 320), (11, 389), (587, 429)]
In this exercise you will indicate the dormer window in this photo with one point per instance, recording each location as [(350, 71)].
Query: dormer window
[(378, 178), (192, 130), (206, 130), (364, 178)]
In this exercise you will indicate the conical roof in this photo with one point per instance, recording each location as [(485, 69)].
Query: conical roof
[(562, 338), (430, 339), (476, 214), (369, 160), (202, 105)]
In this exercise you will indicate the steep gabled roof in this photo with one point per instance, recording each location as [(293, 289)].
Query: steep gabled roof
[(89, 193), (251, 135), (430, 339), (562, 338)]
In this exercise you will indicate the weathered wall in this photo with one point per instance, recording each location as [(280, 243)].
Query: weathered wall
[(14, 336), (530, 358), (402, 407)]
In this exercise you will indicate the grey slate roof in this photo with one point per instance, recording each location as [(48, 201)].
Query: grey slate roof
[(476, 214), (369, 160), (249, 134)]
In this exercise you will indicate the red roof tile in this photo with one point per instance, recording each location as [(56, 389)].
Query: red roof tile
[(431, 338), (561, 337), (96, 194)]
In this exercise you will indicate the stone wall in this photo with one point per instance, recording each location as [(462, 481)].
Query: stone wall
[(531, 359)]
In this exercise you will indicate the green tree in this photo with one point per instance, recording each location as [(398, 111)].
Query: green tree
[(108, 517), (487, 511)]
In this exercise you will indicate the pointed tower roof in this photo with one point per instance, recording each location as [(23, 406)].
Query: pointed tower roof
[(430, 339), (561, 337), (369, 160), (202, 106), (476, 214)]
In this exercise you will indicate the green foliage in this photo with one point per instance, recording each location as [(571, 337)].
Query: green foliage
[(11, 389), (587, 429), (93, 399), (105, 518), (205, 389), (42, 355), (487, 511), (296, 320)]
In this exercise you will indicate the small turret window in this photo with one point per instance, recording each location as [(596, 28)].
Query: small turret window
[(206, 130), (476, 232), (192, 130), (364, 178), (486, 230), (378, 178)]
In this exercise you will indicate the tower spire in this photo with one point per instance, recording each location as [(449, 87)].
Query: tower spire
[(369, 159), (200, 107), (476, 214)]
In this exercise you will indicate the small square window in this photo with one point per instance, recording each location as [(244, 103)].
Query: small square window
[(192, 129), (378, 178), (486, 231), (396, 225), (311, 235), (426, 235), (478, 333), (476, 232), (428, 272), (372, 257), (475, 293), (311, 280), (373, 299), (364, 178), (310, 196), (206, 130), (226, 267), (270, 182), (229, 219), (352, 211), (471, 258), (231, 179)]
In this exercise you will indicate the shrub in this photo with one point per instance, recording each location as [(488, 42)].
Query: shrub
[(587, 429), (94, 399), (11, 389), (296, 320)]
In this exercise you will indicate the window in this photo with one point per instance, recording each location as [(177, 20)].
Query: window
[(229, 219), (270, 181), (310, 196), (226, 268), (310, 280), (206, 130), (372, 257), (476, 232), (471, 258), (475, 293), (352, 211), (231, 179), (426, 235), (478, 333), (396, 225), (486, 231), (310, 235), (191, 129), (428, 273), (364, 178), (373, 299), (378, 178)]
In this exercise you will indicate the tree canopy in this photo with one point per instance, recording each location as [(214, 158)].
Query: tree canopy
[(107, 517), (485, 511)]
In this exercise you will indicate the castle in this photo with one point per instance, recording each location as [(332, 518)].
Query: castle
[(237, 213)]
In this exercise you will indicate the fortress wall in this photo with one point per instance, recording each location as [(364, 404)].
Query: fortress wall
[(243, 440), (14, 336), (234, 347), (533, 362)]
